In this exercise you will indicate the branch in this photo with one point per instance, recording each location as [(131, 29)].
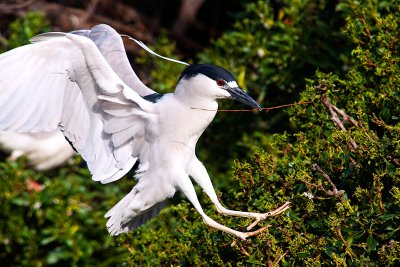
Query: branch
[(334, 191), (187, 15), (348, 246), (368, 33), (346, 118), (333, 110), (17, 5)]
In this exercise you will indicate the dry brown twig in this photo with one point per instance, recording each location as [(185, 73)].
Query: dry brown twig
[(260, 109), (345, 118), (276, 262), (364, 22), (334, 111), (334, 191)]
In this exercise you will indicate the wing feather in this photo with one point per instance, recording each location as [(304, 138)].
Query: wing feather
[(110, 44), (116, 109), (56, 82), (120, 138)]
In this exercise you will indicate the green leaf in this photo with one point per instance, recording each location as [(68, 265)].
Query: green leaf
[(387, 217), (47, 240), (256, 262), (372, 243)]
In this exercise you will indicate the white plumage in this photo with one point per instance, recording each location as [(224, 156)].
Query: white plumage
[(72, 83), (44, 150)]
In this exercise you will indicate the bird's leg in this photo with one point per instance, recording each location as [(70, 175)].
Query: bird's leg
[(199, 173), (242, 235), (186, 186)]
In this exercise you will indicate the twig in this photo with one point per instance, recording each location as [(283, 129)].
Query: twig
[(315, 185), (366, 26), (348, 247), (335, 118), (377, 185), (251, 110), (334, 191), (317, 168), (276, 262), (393, 160), (346, 118), (328, 193), (244, 251)]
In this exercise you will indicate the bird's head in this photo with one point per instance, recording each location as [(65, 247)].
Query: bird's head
[(211, 81)]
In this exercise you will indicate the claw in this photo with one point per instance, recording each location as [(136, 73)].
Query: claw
[(264, 216), (248, 234)]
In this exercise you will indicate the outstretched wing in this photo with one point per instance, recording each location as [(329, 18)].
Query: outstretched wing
[(111, 46), (46, 150), (57, 82)]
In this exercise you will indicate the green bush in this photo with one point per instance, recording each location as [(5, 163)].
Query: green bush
[(342, 178), (55, 218), (21, 30)]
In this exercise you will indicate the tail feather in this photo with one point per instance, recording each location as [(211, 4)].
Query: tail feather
[(119, 222)]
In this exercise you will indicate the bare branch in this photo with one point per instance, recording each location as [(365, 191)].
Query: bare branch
[(187, 15), (367, 32), (17, 4), (346, 118), (335, 118), (69, 18), (334, 191)]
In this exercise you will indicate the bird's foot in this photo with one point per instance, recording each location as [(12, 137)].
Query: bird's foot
[(245, 235), (263, 216)]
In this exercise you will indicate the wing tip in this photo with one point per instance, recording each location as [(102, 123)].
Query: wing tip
[(47, 36)]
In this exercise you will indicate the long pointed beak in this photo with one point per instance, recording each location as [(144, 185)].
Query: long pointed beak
[(238, 94)]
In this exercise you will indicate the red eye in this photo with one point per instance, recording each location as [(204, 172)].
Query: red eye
[(220, 82)]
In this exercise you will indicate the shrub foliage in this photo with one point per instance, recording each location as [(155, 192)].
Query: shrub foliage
[(338, 162)]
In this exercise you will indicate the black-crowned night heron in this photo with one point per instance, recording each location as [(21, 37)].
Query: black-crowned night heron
[(82, 84)]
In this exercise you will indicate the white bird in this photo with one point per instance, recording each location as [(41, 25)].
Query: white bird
[(62, 81)]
